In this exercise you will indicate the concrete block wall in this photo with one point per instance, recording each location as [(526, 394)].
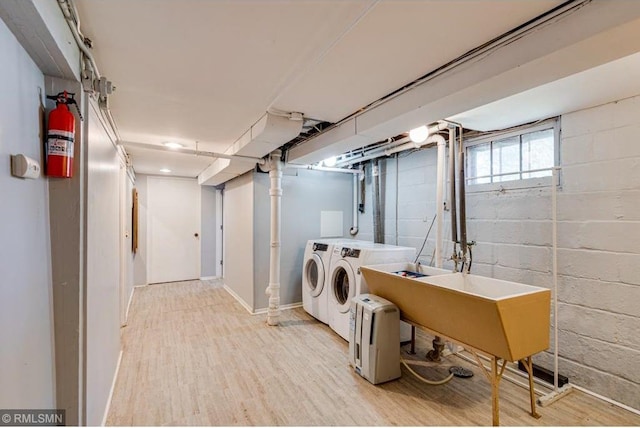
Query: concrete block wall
[(411, 194), (598, 240), (599, 251)]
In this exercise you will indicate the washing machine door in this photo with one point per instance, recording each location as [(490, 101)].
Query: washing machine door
[(314, 275), (343, 285)]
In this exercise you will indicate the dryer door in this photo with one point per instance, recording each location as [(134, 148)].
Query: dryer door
[(343, 285), (313, 275)]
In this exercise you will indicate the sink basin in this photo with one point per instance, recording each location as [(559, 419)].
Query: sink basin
[(505, 319), (410, 269)]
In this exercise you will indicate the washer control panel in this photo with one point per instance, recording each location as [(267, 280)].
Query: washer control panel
[(350, 252)]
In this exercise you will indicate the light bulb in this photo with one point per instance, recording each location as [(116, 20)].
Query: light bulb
[(173, 145), (418, 135), (165, 170), (330, 161)]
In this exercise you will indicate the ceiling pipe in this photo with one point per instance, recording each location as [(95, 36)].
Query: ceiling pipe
[(433, 130), (322, 168), (386, 150), (452, 196), (462, 207), (371, 154), (185, 151), (440, 173)]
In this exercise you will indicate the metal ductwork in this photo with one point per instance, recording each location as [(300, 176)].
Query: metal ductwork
[(266, 135)]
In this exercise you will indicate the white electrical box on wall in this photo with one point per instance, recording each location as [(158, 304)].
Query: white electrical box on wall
[(24, 167), (331, 224)]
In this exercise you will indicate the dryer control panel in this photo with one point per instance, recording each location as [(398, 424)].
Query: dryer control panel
[(318, 246)]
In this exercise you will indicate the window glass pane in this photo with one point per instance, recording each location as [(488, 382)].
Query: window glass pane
[(537, 153), (479, 164), (506, 159)]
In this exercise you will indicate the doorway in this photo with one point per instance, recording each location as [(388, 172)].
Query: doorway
[(173, 238)]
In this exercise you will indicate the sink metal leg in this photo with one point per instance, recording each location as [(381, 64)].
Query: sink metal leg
[(413, 340), (494, 376), (495, 397), (528, 364)]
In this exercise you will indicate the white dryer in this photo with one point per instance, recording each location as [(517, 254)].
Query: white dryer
[(315, 272), (345, 280)]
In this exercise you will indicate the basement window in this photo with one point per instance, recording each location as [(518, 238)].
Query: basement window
[(523, 157)]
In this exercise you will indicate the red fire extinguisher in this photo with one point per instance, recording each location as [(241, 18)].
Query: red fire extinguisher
[(60, 136)]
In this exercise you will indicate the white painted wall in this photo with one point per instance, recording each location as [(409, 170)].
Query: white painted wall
[(305, 194), (140, 258), (129, 256), (598, 233), (103, 268), (238, 238), (208, 231), (26, 317)]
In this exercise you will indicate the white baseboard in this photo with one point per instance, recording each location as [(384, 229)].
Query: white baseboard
[(261, 310), (238, 298), (140, 286), (282, 307), (204, 278), (126, 314), (113, 386)]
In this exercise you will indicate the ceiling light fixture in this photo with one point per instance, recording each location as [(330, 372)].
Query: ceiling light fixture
[(418, 135), (165, 170), (330, 161), (173, 145)]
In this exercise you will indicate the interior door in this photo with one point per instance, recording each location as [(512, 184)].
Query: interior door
[(173, 238)]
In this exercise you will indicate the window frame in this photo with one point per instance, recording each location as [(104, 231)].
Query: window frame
[(522, 183)]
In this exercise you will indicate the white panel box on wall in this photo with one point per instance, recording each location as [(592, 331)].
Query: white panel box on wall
[(24, 167), (331, 224)]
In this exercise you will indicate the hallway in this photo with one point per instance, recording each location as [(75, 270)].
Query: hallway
[(193, 356)]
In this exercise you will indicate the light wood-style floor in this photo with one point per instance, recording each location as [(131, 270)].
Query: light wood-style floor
[(194, 356)]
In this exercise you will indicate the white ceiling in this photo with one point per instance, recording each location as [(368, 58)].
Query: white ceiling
[(193, 70), (202, 72), (599, 85)]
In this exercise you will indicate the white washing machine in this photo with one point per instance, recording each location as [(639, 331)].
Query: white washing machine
[(315, 273), (345, 280)]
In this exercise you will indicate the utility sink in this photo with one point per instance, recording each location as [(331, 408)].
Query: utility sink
[(409, 270), (505, 319)]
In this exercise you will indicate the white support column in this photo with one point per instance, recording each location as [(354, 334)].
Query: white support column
[(273, 291)]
